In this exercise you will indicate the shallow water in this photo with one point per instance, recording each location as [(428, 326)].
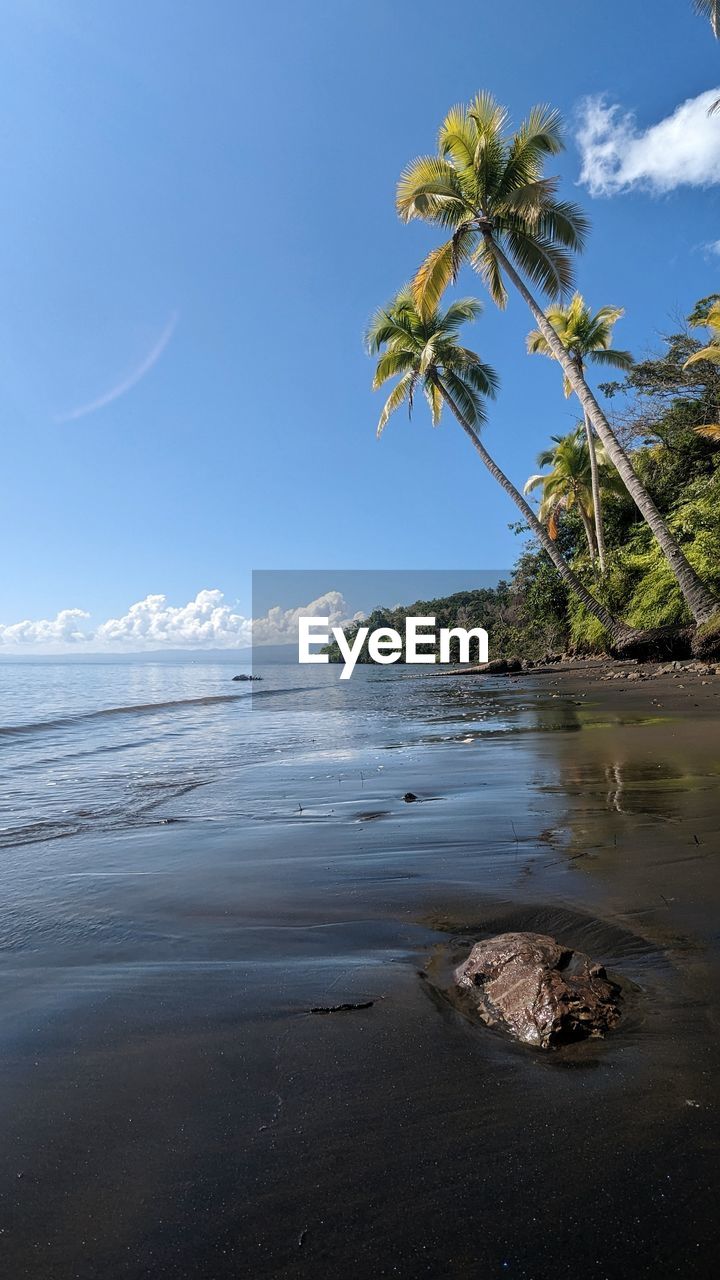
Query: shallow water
[(208, 873)]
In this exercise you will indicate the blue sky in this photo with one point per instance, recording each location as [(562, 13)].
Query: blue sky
[(197, 221)]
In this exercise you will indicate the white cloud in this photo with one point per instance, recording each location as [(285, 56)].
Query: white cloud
[(713, 247), (206, 622), (63, 629), (617, 155), (280, 626)]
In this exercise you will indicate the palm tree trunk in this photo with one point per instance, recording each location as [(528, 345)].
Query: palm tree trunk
[(617, 631), (698, 598), (596, 495), (589, 532)]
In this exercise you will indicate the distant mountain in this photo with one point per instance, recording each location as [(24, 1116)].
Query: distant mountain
[(245, 657)]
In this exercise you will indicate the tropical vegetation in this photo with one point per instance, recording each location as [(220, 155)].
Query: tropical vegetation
[(487, 187), (421, 349), (585, 337), (578, 472), (663, 409)]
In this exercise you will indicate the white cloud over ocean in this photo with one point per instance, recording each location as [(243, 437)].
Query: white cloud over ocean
[(618, 155), (64, 629), (207, 622)]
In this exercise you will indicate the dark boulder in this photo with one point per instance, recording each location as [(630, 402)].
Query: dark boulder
[(544, 994)]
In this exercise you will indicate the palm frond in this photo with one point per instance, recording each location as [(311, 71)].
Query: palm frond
[(611, 358), (481, 377), (486, 263), (489, 117), (430, 188), (711, 431), (399, 394), (434, 398), (711, 353), (389, 324), (709, 9), (440, 268), (391, 363), (458, 137), (465, 398), (461, 311), (565, 222), (530, 199), (710, 319), (544, 262), (537, 344), (537, 137), (533, 482)]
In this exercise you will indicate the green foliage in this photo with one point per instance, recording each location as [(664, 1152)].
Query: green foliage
[(584, 335), (640, 585), (481, 608), (567, 486), (534, 613), (423, 351)]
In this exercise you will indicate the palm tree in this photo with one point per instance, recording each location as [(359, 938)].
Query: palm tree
[(422, 350), (709, 9), (569, 485), (586, 337), (487, 187), (711, 321)]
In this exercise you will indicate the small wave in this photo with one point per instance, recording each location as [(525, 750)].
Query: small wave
[(143, 708), (140, 708)]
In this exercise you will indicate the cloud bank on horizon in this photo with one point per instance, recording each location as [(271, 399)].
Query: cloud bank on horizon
[(618, 155), (206, 622)]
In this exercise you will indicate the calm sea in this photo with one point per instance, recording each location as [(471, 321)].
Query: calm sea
[(97, 746)]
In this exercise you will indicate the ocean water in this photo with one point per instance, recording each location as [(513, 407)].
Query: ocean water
[(100, 746)]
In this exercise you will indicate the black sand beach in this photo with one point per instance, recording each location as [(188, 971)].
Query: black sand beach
[(172, 1109)]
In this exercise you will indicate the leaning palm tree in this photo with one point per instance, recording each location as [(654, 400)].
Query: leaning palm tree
[(421, 349), (570, 483), (585, 337), (709, 9), (486, 186)]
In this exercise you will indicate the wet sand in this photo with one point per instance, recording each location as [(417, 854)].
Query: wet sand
[(170, 1107)]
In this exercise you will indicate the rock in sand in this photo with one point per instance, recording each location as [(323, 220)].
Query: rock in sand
[(541, 992)]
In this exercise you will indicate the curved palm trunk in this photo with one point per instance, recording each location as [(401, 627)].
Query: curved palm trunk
[(616, 630), (698, 598)]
